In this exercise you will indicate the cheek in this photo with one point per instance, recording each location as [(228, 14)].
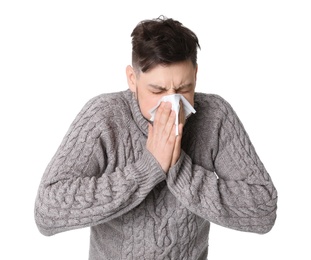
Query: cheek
[(146, 102), (190, 98)]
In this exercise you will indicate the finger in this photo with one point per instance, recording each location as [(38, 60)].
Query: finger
[(177, 147), (170, 125), (150, 129), (172, 135), (181, 116), (163, 122), (163, 113), (150, 135), (180, 130)]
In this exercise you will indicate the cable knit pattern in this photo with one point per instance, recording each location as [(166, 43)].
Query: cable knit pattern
[(103, 177)]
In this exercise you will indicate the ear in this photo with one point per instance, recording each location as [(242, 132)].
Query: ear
[(131, 78), (196, 72)]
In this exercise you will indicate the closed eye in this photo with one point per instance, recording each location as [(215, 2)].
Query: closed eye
[(184, 89), (155, 89), (157, 92)]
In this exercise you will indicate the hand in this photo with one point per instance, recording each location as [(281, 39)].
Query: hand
[(162, 141), (177, 148)]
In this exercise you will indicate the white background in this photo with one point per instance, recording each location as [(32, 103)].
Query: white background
[(56, 55)]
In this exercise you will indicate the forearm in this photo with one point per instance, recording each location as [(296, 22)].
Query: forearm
[(76, 202), (234, 204)]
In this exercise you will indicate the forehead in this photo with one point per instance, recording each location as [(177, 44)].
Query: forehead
[(176, 73)]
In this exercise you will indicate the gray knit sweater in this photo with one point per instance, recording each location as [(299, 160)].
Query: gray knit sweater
[(103, 177)]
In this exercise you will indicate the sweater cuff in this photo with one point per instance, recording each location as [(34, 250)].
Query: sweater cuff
[(148, 172), (179, 175)]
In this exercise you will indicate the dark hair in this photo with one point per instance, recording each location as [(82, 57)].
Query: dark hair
[(162, 41)]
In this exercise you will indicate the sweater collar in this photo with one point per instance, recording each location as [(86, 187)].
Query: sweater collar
[(139, 119)]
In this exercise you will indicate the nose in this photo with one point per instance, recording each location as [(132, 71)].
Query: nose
[(171, 91)]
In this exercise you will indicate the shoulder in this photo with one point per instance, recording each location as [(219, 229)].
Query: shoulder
[(108, 101), (106, 105), (104, 111), (212, 104)]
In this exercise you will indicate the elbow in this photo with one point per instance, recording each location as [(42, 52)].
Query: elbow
[(46, 214), (267, 215), (257, 227), (264, 224), (44, 231), (50, 222), (267, 228), (264, 229), (261, 222), (44, 221), (43, 227)]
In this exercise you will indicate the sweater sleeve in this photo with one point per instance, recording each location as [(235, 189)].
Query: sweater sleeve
[(239, 192), (82, 186)]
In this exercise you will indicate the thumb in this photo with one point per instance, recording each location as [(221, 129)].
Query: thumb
[(150, 129)]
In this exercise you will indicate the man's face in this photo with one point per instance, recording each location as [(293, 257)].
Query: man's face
[(151, 86)]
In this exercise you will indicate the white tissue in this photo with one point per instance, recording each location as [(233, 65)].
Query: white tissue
[(174, 99)]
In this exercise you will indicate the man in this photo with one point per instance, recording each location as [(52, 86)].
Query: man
[(146, 192)]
